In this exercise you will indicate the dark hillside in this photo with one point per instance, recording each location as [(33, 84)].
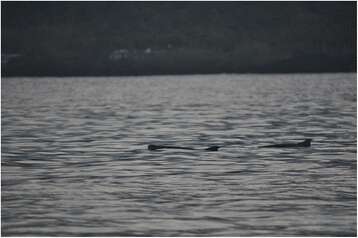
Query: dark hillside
[(116, 38)]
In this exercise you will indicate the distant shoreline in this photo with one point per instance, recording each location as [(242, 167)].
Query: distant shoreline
[(172, 63), (183, 74)]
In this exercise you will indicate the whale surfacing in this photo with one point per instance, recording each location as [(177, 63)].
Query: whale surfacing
[(159, 147), (305, 143)]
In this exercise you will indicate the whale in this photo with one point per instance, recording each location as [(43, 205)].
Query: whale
[(160, 147), (305, 143)]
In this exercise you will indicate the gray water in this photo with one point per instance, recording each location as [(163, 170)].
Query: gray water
[(75, 159)]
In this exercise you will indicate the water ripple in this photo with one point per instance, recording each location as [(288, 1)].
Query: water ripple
[(75, 159)]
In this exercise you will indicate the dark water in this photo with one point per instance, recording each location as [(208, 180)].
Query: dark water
[(74, 157)]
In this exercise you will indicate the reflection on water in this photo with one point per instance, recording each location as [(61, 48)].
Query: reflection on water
[(74, 157)]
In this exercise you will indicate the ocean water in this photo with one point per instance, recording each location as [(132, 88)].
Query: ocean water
[(75, 161)]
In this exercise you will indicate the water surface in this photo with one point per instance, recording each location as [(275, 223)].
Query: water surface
[(75, 163)]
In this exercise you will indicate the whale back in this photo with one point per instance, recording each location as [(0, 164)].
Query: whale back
[(213, 148), (153, 147), (306, 143)]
